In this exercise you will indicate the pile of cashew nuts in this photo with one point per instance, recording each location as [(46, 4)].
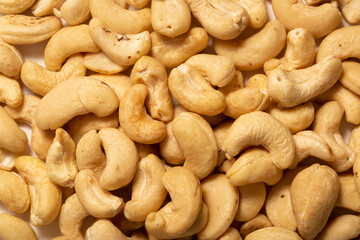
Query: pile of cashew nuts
[(143, 123)]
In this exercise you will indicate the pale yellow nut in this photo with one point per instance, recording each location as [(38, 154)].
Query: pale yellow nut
[(21, 29), (353, 144), (256, 10), (66, 42), (7, 159), (273, 233), (74, 12), (313, 193), (40, 80), (231, 234), (258, 222), (12, 227), (350, 10), (235, 84), (340, 228), (15, 6), (171, 52), (319, 20), (11, 60), (104, 229), (349, 77), (245, 53), (137, 3), (348, 196), (120, 83), (10, 91), (45, 196), (83, 95), (45, 7), (100, 63)]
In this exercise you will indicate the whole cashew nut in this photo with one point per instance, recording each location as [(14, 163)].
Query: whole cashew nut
[(45, 7), (252, 198), (15, 6), (15, 228), (74, 12), (11, 60), (348, 196), (342, 227), (99, 62), (10, 91)]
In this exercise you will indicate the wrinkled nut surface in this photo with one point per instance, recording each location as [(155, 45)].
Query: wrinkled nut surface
[(45, 196), (273, 233), (11, 60), (259, 128), (15, 228), (10, 91), (15, 6), (313, 193), (100, 63), (258, 222), (342, 227)]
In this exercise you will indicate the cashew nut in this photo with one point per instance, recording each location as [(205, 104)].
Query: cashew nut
[(15, 228), (350, 10), (354, 142), (256, 10), (45, 7), (138, 3), (99, 62), (104, 229), (230, 234), (10, 91), (341, 228), (7, 159), (120, 83), (258, 222), (15, 6), (349, 76), (74, 12), (273, 233), (11, 60), (348, 196)]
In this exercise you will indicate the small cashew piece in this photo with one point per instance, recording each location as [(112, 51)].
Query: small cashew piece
[(11, 60), (15, 6), (83, 95), (45, 7), (22, 29), (74, 12), (245, 53), (256, 10), (230, 234), (341, 228), (348, 196), (252, 198), (273, 233), (15, 228), (258, 222), (10, 91), (97, 201), (134, 120), (259, 128), (45, 196), (319, 20), (101, 63), (350, 10)]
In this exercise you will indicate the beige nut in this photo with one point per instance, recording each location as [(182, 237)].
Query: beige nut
[(313, 193), (60, 160), (348, 196), (134, 120), (152, 73), (11, 60), (350, 10), (197, 142), (258, 222), (15, 228), (246, 169), (66, 42), (7, 159), (224, 20), (74, 12), (83, 95), (45, 7), (148, 193), (170, 18), (230, 234), (256, 10), (342, 227), (171, 52), (177, 216), (22, 29), (40, 80), (97, 201), (296, 118), (236, 83), (219, 133), (120, 83), (290, 88), (104, 229), (100, 63), (45, 196), (259, 128), (273, 233), (71, 217), (10, 91), (222, 200), (245, 53), (349, 76), (354, 142), (319, 20), (15, 6), (40, 139), (109, 12)]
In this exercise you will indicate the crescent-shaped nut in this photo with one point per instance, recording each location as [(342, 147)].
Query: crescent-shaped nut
[(100, 63), (197, 142), (230, 234), (319, 20), (171, 52), (350, 76), (21, 29), (222, 199), (290, 88), (71, 217), (124, 49), (245, 53), (259, 128), (180, 214), (60, 159), (40, 80), (170, 18), (12, 137), (273, 233), (152, 73), (134, 120), (66, 42), (246, 170), (109, 12), (11, 60), (97, 201), (12, 227), (256, 10), (224, 20), (104, 229), (348, 196), (10, 91), (45, 196), (202, 99), (122, 159), (45, 7), (15, 6), (74, 12), (148, 193), (83, 95), (342, 227), (258, 222), (313, 193)]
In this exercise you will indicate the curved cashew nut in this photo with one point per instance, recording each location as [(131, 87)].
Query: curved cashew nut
[(313, 190), (290, 88), (148, 193), (170, 18), (178, 215), (258, 222), (348, 196), (109, 12), (99, 62), (319, 20), (256, 10), (15, 6), (21, 29), (342, 227), (15, 228), (10, 91), (230, 234), (273, 233), (350, 10), (224, 20), (83, 95), (245, 53), (45, 7), (134, 120), (71, 217), (66, 42), (97, 201), (45, 196), (74, 12), (152, 73), (11, 61), (246, 170), (259, 128), (171, 52)]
